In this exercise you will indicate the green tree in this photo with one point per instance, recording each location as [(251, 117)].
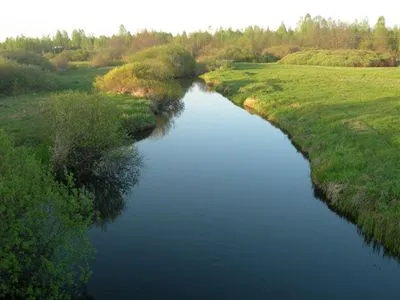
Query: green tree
[(381, 36), (61, 39), (44, 250), (77, 38)]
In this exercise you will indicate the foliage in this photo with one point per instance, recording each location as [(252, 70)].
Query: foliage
[(44, 250), (28, 58), (278, 52), (60, 62), (311, 32), (77, 55), (210, 64), (339, 58), (17, 78), (149, 79), (176, 59), (346, 121), (104, 59), (83, 128)]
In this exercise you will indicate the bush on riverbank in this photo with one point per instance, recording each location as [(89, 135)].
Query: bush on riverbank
[(83, 128), (44, 250), (19, 78), (149, 79), (339, 58), (177, 60)]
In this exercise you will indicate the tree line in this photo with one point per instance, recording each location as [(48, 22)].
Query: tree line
[(310, 32)]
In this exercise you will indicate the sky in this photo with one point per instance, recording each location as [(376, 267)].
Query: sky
[(43, 17)]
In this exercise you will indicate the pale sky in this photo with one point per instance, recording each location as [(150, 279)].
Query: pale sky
[(44, 17)]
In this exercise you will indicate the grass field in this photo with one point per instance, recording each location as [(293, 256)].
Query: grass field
[(24, 115), (347, 122)]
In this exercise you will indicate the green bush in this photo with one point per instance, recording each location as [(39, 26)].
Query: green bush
[(104, 59), (77, 55), (338, 58), (60, 62), (177, 59), (28, 58), (44, 250), (150, 79), (17, 78), (211, 64), (84, 127)]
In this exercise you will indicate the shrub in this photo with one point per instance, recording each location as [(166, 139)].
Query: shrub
[(104, 59), (44, 250), (28, 58), (77, 55), (60, 62), (176, 58), (278, 52), (339, 58), (150, 79), (84, 127), (16, 78), (210, 64)]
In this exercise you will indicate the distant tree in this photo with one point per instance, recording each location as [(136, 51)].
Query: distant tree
[(122, 30), (77, 38), (61, 39), (381, 36)]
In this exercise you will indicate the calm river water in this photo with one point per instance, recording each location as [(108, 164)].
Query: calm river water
[(225, 209)]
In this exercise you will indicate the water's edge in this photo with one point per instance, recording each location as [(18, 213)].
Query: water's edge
[(320, 190)]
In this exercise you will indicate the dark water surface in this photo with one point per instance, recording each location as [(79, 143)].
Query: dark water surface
[(225, 209)]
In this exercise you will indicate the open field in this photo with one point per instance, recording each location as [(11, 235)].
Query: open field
[(347, 122)]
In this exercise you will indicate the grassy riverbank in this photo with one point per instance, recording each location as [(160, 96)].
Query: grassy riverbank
[(56, 143), (24, 115), (346, 121)]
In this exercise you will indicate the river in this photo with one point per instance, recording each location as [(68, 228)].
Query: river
[(225, 209)]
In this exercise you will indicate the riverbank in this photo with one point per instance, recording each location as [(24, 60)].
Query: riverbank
[(346, 121), (24, 115)]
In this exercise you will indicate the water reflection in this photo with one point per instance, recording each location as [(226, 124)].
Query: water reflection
[(113, 176), (167, 111)]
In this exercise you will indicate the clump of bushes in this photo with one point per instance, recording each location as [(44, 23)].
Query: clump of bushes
[(278, 52), (222, 58), (104, 59), (176, 59), (60, 62), (44, 250), (149, 79), (84, 127), (150, 73), (28, 58), (17, 78), (232, 53), (208, 64), (77, 55), (339, 58)]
